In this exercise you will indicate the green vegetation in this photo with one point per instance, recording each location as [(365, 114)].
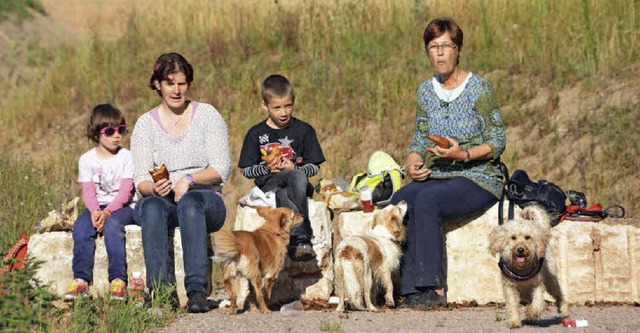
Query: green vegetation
[(19, 9), (22, 290), (355, 66), (329, 326)]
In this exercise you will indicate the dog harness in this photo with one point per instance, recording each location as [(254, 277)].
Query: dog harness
[(514, 276)]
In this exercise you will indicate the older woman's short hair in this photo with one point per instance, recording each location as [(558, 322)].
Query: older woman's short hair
[(441, 26)]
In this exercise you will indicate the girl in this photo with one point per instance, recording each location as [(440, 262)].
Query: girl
[(106, 176)]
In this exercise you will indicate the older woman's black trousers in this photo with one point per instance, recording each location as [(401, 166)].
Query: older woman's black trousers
[(429, 204)]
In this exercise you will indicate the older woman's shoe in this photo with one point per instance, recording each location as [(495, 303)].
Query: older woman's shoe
[(424, 299)]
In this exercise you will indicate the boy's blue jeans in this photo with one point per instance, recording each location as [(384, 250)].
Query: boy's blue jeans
[(84, 244), (198, 213), (429, 204), (290, 187)]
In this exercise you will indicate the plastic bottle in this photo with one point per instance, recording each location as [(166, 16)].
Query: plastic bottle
[(366, 196), (136, 288), (292, 309)]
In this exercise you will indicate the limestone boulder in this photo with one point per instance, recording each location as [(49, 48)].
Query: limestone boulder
[(599, 262), (55, 249), (310, 280)]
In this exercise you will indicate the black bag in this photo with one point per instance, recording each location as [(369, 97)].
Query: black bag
[(522, 191)]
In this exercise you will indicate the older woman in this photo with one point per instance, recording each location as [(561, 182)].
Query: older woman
[(192, 140), (448, 183)]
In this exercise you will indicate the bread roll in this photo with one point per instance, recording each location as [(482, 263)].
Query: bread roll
[(440, 141), (159, 172), (273, 154)]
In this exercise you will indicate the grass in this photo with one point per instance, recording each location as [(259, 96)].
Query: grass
[(19, 9), (329, 326), (28, 306), (355, 66)]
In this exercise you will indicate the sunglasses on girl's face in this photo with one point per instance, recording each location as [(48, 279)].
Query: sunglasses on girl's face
[(109, 131)]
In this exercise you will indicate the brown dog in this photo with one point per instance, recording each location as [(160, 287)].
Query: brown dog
[(256, 256)]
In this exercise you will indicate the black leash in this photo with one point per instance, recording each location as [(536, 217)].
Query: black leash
[(505, 174)]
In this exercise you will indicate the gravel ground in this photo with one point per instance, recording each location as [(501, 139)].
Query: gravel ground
[(600, 318)]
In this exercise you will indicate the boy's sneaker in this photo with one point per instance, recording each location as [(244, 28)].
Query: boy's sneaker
[(78, 288), (197, 302), (300, 250), (117, 289)]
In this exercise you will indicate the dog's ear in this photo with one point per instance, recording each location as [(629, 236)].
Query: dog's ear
[(285, 216), (496, 238), (374, 223), (399, 231), (263, 210), (542, 240), (402, 206), (536, 213)]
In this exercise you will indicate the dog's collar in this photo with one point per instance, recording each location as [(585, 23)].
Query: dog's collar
[(514, 276)]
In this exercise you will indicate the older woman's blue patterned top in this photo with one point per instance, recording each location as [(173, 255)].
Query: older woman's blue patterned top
[(473, 118)]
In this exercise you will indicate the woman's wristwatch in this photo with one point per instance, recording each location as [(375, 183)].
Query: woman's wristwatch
[(190, 178)]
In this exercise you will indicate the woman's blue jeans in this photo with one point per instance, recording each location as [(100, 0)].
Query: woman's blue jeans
[(429, 204), (84, 244), (199, 213)]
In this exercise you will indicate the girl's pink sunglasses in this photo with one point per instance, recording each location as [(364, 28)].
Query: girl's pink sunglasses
[(110, 131)]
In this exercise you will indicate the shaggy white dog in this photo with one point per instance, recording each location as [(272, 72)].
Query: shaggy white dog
[(527, 264)]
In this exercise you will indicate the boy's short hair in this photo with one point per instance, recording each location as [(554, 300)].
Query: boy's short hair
[(276, 85), (103, 115), (167, 64)]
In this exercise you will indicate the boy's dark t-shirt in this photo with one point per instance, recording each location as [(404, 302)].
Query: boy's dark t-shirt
[(298, 142)]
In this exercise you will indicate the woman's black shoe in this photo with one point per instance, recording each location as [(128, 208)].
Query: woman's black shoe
[(197, 302), (424, 299)]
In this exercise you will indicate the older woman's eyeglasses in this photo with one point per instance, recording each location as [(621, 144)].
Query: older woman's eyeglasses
[(110, 131), (433, 48)]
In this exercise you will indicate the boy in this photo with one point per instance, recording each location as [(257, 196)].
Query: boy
[(288, 175)]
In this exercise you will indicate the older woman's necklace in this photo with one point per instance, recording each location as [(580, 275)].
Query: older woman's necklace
[(449, 92)]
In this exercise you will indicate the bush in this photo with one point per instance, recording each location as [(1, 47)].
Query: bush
[(25, 304)]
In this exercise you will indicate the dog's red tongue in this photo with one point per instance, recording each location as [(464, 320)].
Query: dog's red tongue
[(520, 259)]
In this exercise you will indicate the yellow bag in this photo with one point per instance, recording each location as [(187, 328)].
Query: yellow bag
[(384, 177)]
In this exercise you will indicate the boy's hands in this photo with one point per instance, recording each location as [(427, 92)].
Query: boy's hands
[(286, 164), (280, 164)]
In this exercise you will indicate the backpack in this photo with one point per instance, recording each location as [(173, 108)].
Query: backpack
[(384, 177), (17, 255), (520, 190)]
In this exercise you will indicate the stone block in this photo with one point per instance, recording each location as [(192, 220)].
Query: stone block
[(310, 280), (599, 262), (56, 250), (596, 261)]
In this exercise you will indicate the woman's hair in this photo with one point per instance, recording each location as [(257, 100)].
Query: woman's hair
[(103, 115), (276, 85), (167, 64), (441, 26)]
